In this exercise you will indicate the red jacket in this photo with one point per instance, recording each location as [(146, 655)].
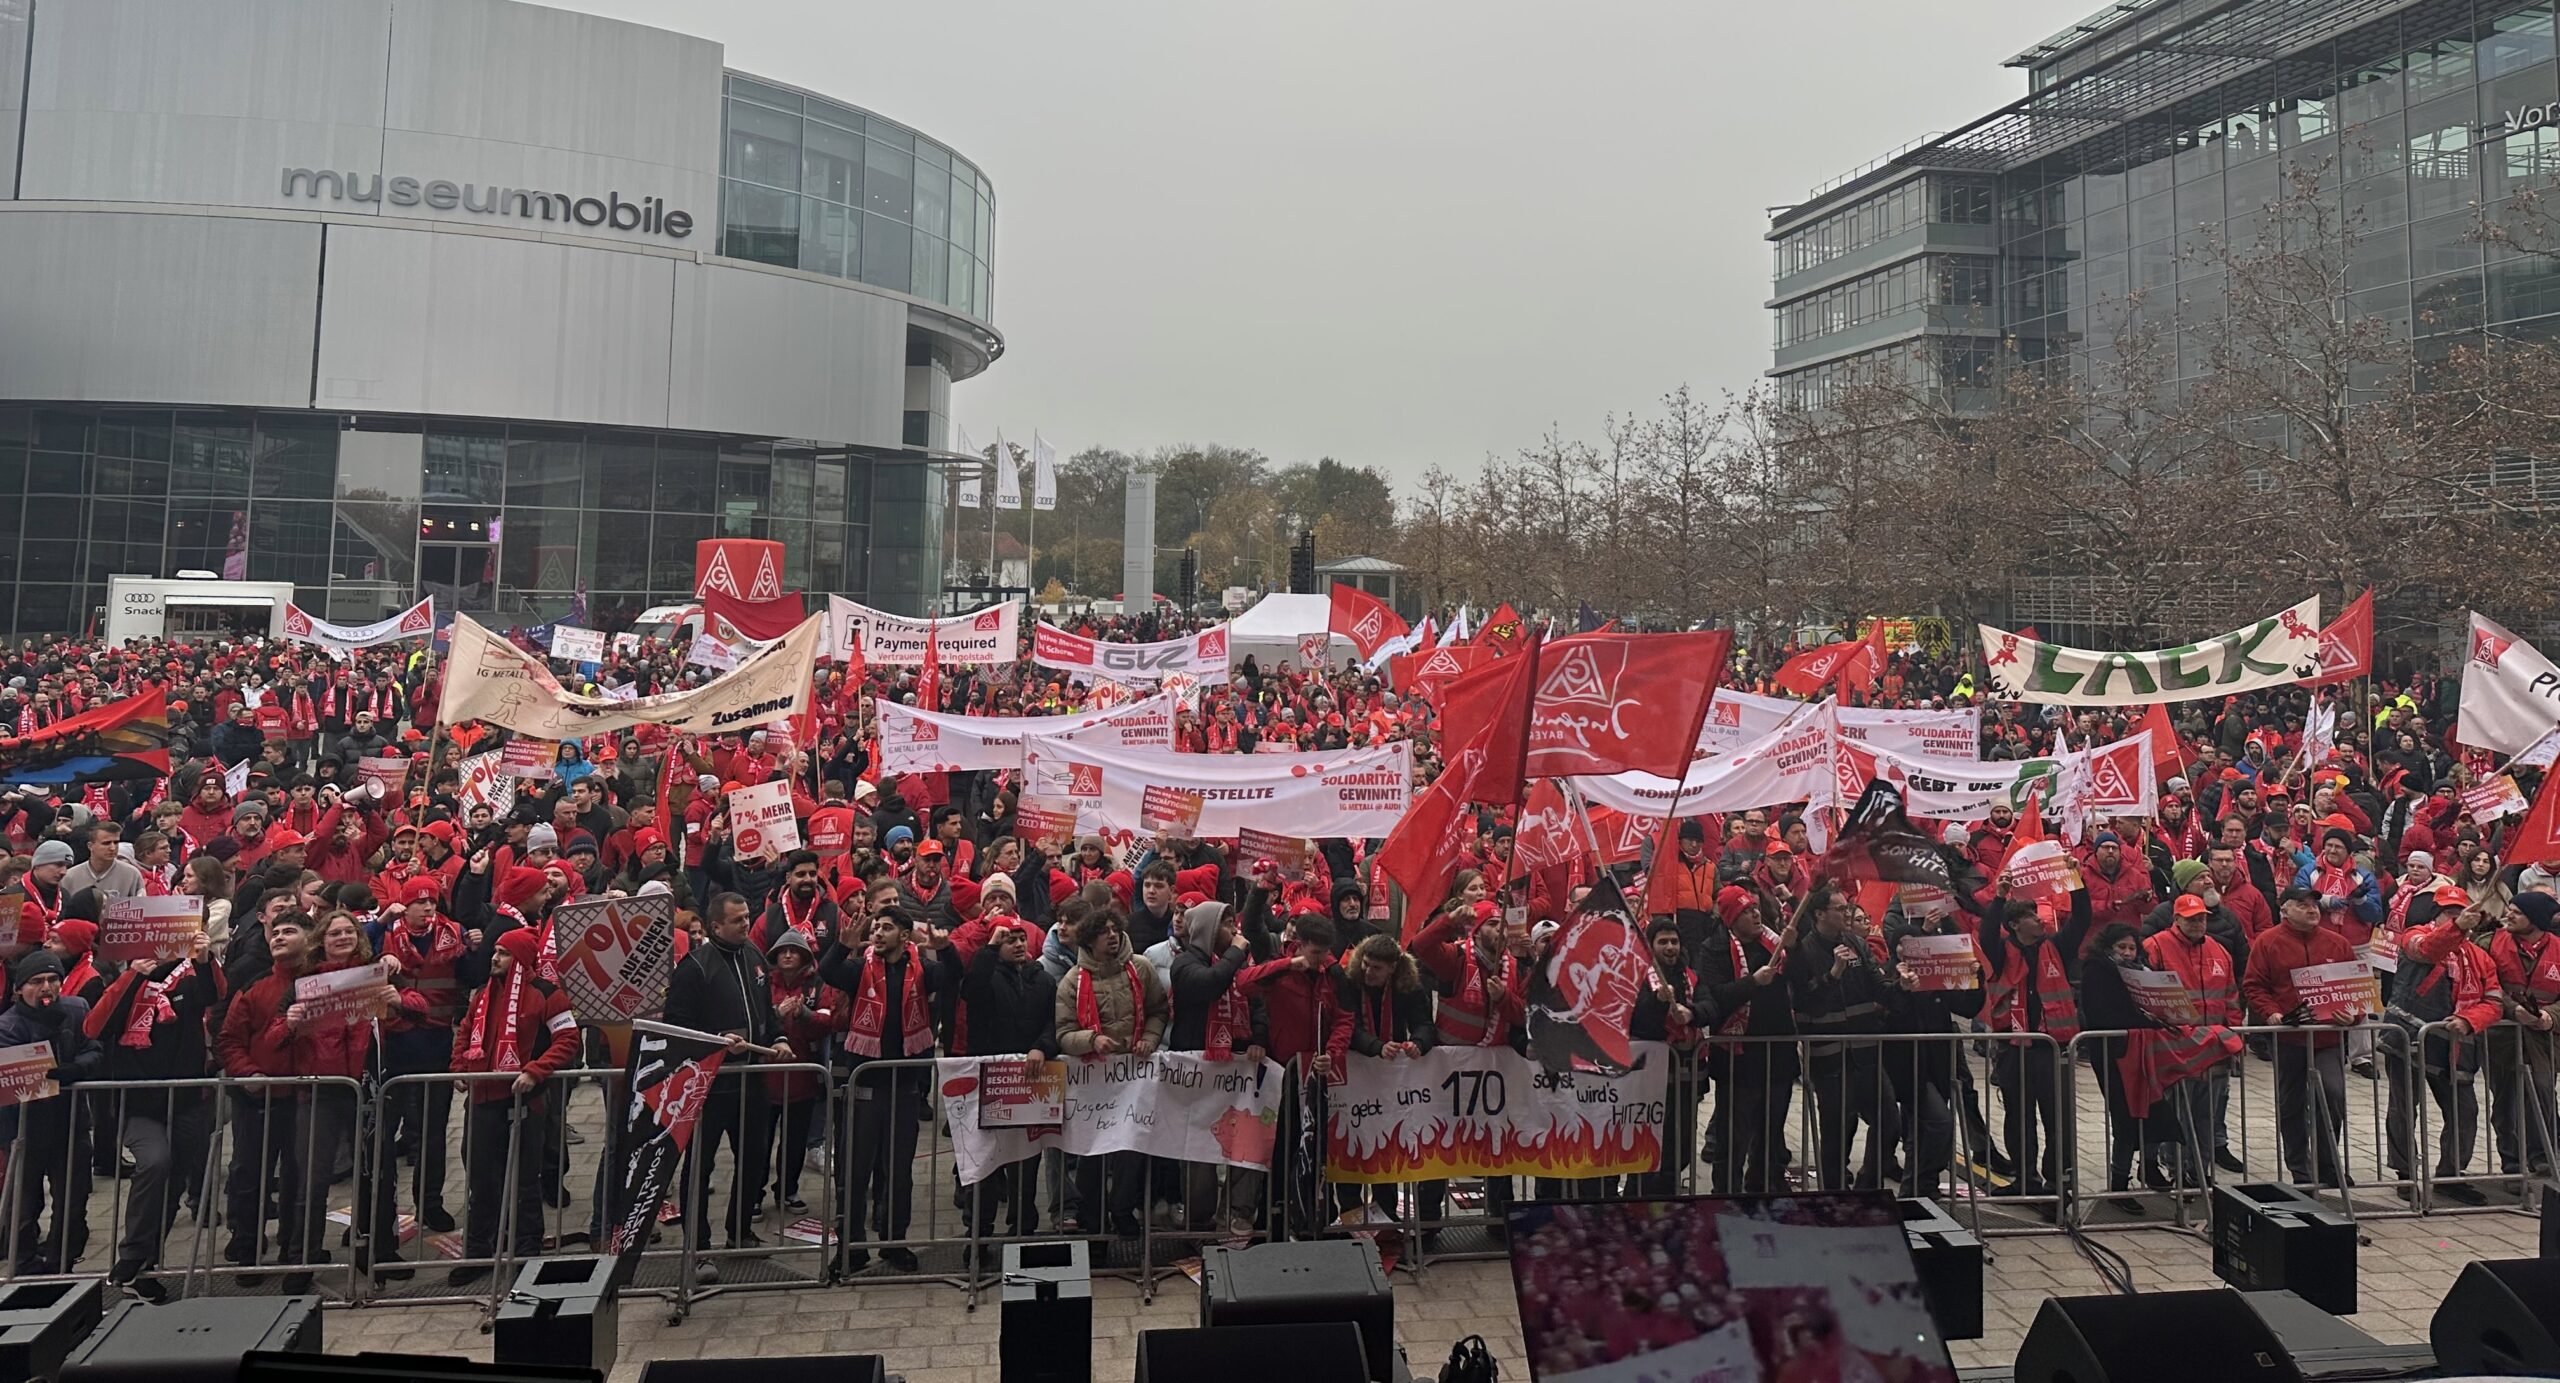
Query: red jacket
[(2476, 991), (1306, 1011), (546, 1036), (2125, 898), (2249, 905), (256, 1040), (2268, 982)]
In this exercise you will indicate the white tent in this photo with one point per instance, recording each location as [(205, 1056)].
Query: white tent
[(1269, 632)]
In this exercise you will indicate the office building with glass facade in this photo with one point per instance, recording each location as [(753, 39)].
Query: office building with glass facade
[(2152, 127), (464, 297)]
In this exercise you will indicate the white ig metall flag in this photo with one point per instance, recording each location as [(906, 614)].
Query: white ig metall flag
[(2510, 692)]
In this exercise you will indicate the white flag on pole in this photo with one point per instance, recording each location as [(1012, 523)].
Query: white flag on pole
[(2510, 692), (1044, 473), (1008, 476), (973, 473)]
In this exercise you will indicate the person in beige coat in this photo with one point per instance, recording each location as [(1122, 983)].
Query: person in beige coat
[(1111, 1006)]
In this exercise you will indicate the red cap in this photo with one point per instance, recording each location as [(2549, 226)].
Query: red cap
[(283, 838), (2189, 905), (442, 830)]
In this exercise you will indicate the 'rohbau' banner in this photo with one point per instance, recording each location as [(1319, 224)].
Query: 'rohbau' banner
[(488, 678), (1203, 655), (1488, 1111), (340, 639), (1736, 718), (913, 741), (991, 635), (1354, 793), (2278, 651), (1179, 1105)]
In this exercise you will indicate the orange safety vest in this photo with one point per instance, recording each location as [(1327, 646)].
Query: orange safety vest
[(2004, 1004)]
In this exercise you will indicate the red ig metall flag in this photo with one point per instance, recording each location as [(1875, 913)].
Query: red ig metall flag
[(1621, 703)]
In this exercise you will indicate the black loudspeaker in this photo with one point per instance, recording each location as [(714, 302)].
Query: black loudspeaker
[(1291, 1284), (1950, 1262), (2268, 1236), (2502, 1317), (795, 1368), (2194, 1337), (1314, 1352), (42, 1322), (1047, 1301), (560, 1312), (201, 1339)]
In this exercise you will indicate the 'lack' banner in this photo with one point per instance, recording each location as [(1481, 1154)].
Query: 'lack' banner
[(2278, 651)]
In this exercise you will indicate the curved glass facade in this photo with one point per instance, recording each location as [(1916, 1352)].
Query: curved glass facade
[(808, 183), (364, 515)]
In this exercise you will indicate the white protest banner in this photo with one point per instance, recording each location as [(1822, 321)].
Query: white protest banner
[(527, 757), (616, 955), (341, 998), (1357, 793), (1172, 1104), (989, 635), (571, 644), (26, 1073), (760, 821), (2493, 800), (913, 741), (711, 653), (2112, 779), (2340, 991), (1735, 718), (626, 643), (2510, 692), (1203, 655), (2278, 651), (389, 773), (1942, 962), (485, 782), (619, 691), (153, 927), (340, 639), (2164, 997), (487, 678), (1489, 1111), (1790, 764)]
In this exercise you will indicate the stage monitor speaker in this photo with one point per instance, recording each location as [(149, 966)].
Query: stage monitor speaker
[(42, 1322), (792, 1368), (204, 1338), (2194, 1337), (2502, 1317), (1319, 1280), (1305, 1352), (1047, 1298), (561, 1312), (2269, 1236), (1949, 1260)]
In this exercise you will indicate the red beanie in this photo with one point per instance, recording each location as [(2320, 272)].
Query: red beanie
[(423, 890), (1733, 900), (522, 944)]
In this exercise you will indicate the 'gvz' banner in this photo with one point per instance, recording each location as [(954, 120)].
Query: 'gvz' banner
[(1203, 656), (1173, 1104), (2278, 651), (1488, 1111)]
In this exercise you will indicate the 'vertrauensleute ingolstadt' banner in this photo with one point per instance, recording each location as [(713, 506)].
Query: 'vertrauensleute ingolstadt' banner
[(988, 636), (416, 622), (913, 741), (2278, 651), (1202, 656), (1354, 793)]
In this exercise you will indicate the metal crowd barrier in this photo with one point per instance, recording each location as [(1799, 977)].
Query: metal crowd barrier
[(1996, 1124)]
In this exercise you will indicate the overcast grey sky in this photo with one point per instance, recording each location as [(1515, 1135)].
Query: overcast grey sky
[(1393, 233)]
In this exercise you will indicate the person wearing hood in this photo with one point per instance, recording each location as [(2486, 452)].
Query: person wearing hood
[(149, 1022), (1210, 1017), (807, 1007), (2449, 983), (523, 1023), (1111, 1005), (2520, 1058), (889, 986), (39, 1012), (724, 986), (1350, 911), (1008, 1006)]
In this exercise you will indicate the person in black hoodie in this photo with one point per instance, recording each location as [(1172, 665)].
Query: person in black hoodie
[(723, 987), (1012, 1009), (1924, 1074), (150, 1024), (1151, 921), (1742, 967), (1840, 994), (1209, 1017), (1351, 924), (2106, 1005), (42, 1013)]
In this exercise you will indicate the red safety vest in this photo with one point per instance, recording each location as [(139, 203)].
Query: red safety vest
[(2004, 1004)]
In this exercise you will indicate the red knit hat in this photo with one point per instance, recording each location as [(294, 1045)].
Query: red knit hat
[(1733, 900)]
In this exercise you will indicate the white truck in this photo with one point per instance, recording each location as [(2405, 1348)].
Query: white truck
[(193, 603)]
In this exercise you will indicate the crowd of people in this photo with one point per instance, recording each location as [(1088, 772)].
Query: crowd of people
[(918, 920)]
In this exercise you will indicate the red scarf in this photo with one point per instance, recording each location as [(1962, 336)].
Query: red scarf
[(471, 1039), (804, 923), (152, 1006), (1089, 1006), (1740, 1018), (871, 1007), (2541, 969), (1471, 995), (1232, 1014)]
